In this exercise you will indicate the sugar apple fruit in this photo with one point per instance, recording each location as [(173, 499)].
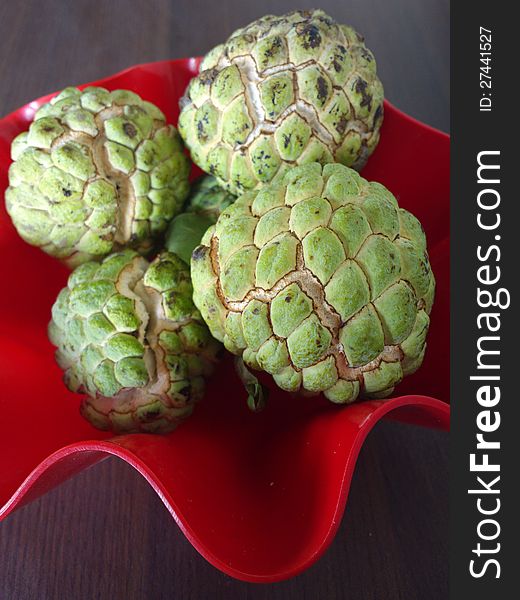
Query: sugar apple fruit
[(129, 337), (282, 91), (321, 280), (96, 172), (208, 198), (202, 209)]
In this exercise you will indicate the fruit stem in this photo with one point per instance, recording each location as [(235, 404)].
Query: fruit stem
[(257, 393)]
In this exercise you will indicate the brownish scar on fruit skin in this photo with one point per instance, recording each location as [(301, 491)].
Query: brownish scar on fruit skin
[(311, 34), (130, 130), (322, 88), (361, 88)]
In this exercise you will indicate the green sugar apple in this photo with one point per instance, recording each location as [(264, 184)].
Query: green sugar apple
[(282, 91), (129, 337), (202, 209), (208, 198), (321, 280), (96, 172)]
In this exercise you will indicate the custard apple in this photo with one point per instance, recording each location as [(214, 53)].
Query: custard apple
[(202, 209), (208, 198), (129, 337), (96, 172), (321, 280), (282, 91)]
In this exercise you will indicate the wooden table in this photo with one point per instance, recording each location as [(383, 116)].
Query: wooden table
[(105, 534)]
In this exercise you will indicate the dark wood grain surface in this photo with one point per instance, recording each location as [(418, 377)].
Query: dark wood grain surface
[(105, 534)]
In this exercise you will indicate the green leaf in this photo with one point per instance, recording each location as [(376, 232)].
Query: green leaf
[(185, 233)]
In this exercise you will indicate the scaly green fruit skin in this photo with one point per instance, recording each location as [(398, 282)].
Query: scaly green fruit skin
[(202, 209), (129, 337), (96, 172), (321, 280), (208, 198), (282, 91)]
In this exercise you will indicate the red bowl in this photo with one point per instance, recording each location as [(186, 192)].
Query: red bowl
[(260, 496)]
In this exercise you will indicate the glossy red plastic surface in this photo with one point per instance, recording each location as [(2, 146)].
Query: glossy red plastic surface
[(259, 495)]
